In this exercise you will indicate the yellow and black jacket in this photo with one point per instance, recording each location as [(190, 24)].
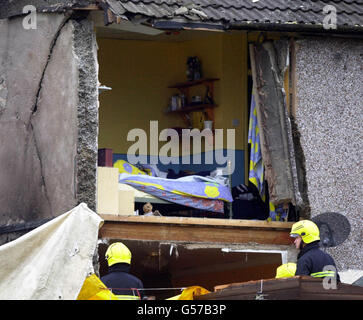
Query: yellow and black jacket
[(311, 262)]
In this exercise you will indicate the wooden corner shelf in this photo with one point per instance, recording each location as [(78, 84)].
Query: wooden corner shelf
[(193, 83), (195, 107), (207, 108)]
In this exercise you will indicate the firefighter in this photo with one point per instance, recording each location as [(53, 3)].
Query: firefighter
[(123, 284), (311, 260)]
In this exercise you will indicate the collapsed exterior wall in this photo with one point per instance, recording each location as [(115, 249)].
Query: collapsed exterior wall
[(329, 120), (85, 47), (48, 104)]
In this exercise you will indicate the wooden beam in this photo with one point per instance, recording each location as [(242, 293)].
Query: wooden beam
[(200, 221), (195, 230), (271, 288), (296, 288), (268, 65), (90, 7)]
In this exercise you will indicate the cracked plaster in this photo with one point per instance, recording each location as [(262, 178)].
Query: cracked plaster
[(42, 161)]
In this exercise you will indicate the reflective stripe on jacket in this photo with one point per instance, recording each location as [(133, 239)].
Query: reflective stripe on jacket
[(323, 274)]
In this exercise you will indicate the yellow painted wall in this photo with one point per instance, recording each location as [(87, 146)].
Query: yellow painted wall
[(234, 87), (140, 71)]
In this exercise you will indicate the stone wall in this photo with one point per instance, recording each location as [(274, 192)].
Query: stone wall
[(48, 118), (85, 48), (329, 120)]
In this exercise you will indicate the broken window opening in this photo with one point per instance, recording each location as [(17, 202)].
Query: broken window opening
[(141, 68)]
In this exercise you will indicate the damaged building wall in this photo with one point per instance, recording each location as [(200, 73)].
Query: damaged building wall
[(48, 118), (85, 47), (329, 120), (269, 63)]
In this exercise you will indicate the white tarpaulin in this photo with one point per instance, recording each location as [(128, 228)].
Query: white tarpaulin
[(51, 261)]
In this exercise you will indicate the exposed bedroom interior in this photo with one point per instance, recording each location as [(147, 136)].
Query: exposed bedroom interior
[(146, 84), (144, 75)]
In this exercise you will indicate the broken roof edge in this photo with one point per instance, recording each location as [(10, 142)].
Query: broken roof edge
[(10, 9), (296, 27), (253, 26), (186, 24), (115, 11)]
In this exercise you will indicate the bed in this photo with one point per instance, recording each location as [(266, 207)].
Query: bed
[(204, 193)]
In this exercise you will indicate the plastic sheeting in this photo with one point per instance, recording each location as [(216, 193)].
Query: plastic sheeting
[(94, 289), (52, 261), (189, 293)]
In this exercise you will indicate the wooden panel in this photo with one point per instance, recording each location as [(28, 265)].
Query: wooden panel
[(273, 225), (90, 7), (287, 294), (196, 230), (126, 202), (268, 62), (297, 288), (261, 285), (313, 289), (268, 288), (193, 83), (107, 190)]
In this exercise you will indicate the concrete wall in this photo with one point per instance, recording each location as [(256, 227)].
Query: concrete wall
[(329, 119), (48, 118)]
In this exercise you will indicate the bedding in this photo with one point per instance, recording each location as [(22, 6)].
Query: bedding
[(193, 191)]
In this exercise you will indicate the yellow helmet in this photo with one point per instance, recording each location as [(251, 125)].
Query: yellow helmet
[(307, 229), (118, 253), (286, 270)]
